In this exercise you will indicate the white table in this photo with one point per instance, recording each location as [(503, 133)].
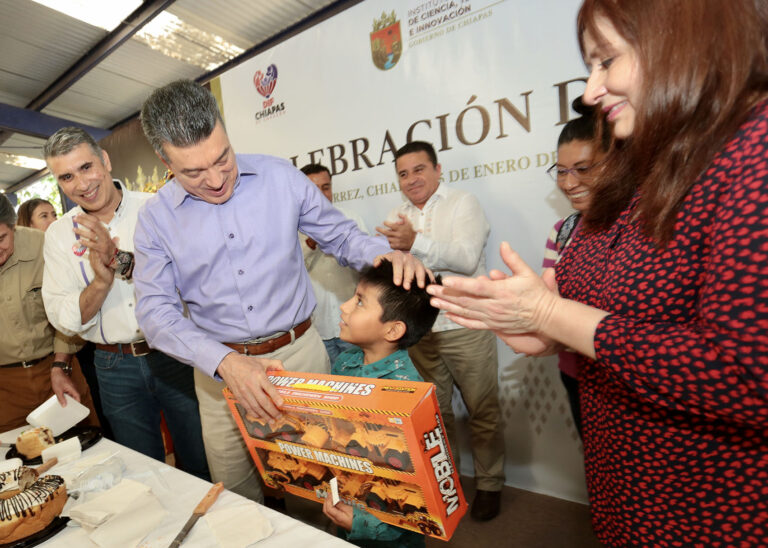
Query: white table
[(179, 493)]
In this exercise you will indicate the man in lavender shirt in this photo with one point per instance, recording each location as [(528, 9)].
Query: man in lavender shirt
[(221, 239)]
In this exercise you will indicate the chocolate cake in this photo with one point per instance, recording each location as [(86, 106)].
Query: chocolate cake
[(28, 503)]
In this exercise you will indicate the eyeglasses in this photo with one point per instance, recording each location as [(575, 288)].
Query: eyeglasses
[(582, 173)]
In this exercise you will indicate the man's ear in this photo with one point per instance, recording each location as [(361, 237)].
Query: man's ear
[(395, 331), (163, 160), (105, 161)]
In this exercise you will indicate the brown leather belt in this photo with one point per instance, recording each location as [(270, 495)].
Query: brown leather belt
[(28, 363), (256, 349), (138, 348)]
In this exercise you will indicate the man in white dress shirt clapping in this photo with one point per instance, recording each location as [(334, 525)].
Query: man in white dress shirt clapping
[(446, 229)]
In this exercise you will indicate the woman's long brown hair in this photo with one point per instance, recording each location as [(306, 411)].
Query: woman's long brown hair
[(703, 67)]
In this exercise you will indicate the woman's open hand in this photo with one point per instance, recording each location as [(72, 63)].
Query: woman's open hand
[(510, 305)]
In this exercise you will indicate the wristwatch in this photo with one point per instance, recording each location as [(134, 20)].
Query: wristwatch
[(64, 366), (122, 263)]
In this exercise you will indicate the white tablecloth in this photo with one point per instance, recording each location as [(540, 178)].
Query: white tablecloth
[(179, 493)]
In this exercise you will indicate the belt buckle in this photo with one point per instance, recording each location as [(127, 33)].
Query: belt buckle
[(27, 365), (133, 349)]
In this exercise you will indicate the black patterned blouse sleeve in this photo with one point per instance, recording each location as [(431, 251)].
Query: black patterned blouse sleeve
[(689, 329)]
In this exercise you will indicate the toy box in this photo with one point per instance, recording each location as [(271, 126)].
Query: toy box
[(383, 439)]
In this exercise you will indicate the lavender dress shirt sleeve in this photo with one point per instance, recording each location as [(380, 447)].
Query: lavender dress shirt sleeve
[(238, 266)]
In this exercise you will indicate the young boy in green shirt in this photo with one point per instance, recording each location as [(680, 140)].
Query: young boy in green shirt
[(383, 320)]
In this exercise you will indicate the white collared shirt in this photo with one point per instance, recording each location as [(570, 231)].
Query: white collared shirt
[(66, 276), (451, 235)]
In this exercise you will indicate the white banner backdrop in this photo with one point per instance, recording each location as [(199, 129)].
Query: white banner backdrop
[(489, 83)]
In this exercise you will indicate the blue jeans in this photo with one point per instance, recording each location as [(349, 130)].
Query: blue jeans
[(135, 389), (336, 346)]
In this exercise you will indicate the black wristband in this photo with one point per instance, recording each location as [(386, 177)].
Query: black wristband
[(64, 366)]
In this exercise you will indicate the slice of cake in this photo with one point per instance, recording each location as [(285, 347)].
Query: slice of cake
[(32, 442)]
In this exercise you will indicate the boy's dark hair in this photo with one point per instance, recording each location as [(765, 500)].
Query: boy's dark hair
[(408, 306), (311, 169), (418, 146)]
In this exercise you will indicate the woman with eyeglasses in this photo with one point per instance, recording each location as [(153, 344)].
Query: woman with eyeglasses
[(664, 292), (578, 153)]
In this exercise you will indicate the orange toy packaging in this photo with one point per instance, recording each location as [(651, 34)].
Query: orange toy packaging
[(383, 439)]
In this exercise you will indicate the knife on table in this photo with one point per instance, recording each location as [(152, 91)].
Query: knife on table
[(47, 466), (200, 509)]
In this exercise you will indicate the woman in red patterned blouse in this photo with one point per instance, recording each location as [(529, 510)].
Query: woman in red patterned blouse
[(664, 293)]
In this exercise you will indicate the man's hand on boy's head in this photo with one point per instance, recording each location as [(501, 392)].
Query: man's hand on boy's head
[(404, 267), (341, 514)]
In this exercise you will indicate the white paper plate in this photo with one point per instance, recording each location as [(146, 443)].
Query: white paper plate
[(59, 419)]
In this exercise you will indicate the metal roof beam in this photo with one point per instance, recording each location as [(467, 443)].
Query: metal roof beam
[(28, 180), (140, 17), (132, 24), (311, 20), (37, 124)]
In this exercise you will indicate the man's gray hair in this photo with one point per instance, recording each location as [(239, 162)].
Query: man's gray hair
[(183, 113), (7, 213), (67, 139)]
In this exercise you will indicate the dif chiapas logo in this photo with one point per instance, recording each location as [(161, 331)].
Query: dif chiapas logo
[(265, 83), (386, 44)]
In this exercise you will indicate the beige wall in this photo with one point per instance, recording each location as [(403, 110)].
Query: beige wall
[(133, 160)]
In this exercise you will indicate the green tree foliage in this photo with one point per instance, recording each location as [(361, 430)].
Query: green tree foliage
[(46, 188)]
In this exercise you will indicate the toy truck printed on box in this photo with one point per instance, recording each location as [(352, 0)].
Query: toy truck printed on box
[(382, 439), (382, 445), (363, 490), (282, 469)]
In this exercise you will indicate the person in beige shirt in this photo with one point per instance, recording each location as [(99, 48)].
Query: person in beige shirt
[(35, 360)]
